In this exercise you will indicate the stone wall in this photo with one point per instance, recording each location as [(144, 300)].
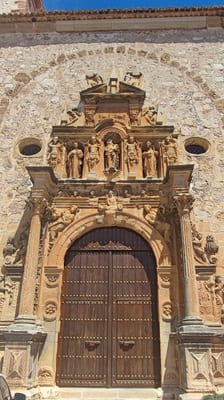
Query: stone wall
[(183, 73)]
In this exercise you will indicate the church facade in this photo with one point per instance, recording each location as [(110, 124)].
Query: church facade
[(112, 206)]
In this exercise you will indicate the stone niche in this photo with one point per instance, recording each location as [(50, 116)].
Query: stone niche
[(113, 162)]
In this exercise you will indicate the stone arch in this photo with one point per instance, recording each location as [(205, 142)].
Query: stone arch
[(24, 80), (88, 223)]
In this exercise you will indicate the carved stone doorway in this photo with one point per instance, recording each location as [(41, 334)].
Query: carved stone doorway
[(109, 333)]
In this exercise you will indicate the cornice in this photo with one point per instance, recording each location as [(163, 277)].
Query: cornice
[(169, 18)]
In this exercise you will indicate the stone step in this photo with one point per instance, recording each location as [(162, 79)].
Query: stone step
[(100, 394)]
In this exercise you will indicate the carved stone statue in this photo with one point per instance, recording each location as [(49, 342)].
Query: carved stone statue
[(111, 155), (22, 245), (150, 161), (75, 157), (93, 153), (109, 209), (60, 219), (9, 252), (158, 220), (58, 157), (94, 79), (211, 249), (169, 151), (132, 154), (133, 79), (199, 252), (150, 114)]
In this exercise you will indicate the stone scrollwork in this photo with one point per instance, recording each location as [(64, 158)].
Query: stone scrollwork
[(133, 79), (94, 79)]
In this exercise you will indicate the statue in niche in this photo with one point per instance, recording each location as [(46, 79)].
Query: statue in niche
[(75, 157), (58, 157), (150, 114), (132, 154), (150, 161), (111, 155), (169, 150), (94, 79), (93, 153)]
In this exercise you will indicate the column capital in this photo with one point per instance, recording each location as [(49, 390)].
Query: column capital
[(37, 205), (184, 203)]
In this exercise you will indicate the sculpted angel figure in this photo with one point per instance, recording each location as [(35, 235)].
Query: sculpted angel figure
[(150, 161), (111, 155), (60, 219), (75, 157), (93, 153), (58, 157), (132, 154), (150, 114)]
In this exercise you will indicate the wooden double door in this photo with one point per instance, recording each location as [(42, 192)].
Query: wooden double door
[(109, 332)]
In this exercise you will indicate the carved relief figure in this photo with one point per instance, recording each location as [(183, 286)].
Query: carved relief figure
[(211, 249), (150, 114), (132, 154), (58, 157), (75, 157), (158, 219), (111, 155), (109, 209), (9, 251), (93, 153), (199, 252), (60, 219), (150, 161), (169, 151)]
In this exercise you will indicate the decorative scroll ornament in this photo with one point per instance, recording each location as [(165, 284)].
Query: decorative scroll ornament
[(133, 79), (94, 79)]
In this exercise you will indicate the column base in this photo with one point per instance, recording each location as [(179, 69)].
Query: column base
[(191, 323), (25, 323)]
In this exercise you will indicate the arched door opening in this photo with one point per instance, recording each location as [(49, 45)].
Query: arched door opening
[(109, 333)]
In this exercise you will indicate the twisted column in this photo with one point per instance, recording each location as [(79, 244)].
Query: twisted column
[(184, 203)]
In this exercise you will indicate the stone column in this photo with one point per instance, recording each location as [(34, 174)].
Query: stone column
[(184, 204), (31, 264)]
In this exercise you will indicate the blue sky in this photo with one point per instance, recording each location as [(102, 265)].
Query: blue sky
[(104, 4)]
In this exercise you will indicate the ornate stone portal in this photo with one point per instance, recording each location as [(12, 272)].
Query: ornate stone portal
[(114, 163)]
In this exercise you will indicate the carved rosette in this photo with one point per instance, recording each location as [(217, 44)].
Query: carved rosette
[(167, 311), (50, 310)]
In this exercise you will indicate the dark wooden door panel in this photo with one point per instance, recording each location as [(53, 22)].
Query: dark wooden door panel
[(109, 324)]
